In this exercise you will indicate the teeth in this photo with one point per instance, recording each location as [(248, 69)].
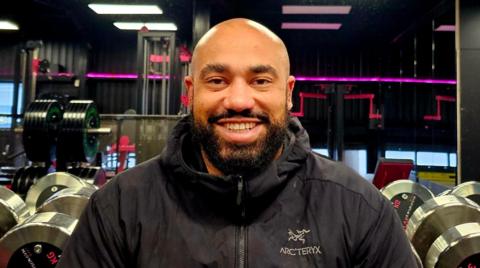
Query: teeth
[(239, 126)]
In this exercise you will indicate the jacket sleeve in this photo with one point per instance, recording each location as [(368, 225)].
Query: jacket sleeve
[(385, 243), (97, 238)]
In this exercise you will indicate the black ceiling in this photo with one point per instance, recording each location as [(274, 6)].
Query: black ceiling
[(371, 22)]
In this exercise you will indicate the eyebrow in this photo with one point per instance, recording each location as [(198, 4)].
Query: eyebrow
[(222, 68), (257, 69), (212, 68)]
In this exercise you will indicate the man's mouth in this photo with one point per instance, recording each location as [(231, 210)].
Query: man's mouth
[(239, 126)]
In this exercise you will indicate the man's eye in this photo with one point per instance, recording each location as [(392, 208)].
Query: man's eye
[(261, 82), (216, 81)]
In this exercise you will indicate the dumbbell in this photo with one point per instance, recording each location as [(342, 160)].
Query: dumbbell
[(435, 216), (25, 177), (49, 185), (459, 246), (71, 201), (406, 196), (93, 175), (37, 242), (13, 210), (470, 190)]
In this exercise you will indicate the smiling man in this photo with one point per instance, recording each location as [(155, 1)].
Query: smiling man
[(241, 92), (238, 185)]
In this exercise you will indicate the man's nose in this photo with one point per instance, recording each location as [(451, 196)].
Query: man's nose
[(239, 96)]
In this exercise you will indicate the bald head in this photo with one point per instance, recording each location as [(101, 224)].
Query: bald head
[(241, 35)]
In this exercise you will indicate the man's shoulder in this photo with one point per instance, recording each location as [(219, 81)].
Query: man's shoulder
[(336, 175), (133, 182)]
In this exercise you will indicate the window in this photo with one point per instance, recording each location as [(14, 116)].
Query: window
[(438, 159), (452, 159), (6, 103), (400, 154), (321, 151), (357, 160)]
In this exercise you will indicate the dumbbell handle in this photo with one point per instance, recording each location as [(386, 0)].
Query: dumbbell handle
[(101, 131)]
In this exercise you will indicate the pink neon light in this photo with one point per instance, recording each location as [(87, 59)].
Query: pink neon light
[(438, 115), (310, 26), (56, 74), (123, 76), (370, 97), (375, 79), (445, 28), (307, 95), (316, 9)]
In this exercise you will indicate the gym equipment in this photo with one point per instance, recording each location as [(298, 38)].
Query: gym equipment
[(459, 246), (435, 216), (389, 170), (13, 210), (78, 132), (37, 242), (49, 185), (406, 197), (93, 175), (445, 192), (25, 177), (470, 190), (40, 129), (70, 201)]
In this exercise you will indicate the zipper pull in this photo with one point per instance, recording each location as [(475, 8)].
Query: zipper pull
[(239, 190)]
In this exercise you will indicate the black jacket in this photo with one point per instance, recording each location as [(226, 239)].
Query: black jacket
[(303, 211)]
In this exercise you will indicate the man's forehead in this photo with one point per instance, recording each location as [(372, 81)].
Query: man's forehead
[(240, 37)]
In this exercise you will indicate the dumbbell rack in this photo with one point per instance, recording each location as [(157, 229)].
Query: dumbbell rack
[(444, 231)]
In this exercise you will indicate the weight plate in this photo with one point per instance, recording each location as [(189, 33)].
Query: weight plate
[(13, 210), (37, 242), (48, 185), (84, 173), (39, 129), (16, 179), (459, 246), (23, 186), (470, 190), (406, 196), (75, 144), (435, 216), (70, 201)]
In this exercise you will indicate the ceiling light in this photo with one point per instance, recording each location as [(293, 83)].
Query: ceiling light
[(7, 25), (310, 26), (152, 26), (316, 9), (445, 28), (125, 9)]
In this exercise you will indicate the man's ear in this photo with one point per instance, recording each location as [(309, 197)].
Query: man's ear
[(290, 86), (189, 85)]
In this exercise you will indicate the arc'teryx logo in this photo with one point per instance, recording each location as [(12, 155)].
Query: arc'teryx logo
[(299, 236)]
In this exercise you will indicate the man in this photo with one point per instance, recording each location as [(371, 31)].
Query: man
[(238, 185)]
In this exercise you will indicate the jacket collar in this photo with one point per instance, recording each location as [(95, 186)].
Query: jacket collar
[(177, 157)]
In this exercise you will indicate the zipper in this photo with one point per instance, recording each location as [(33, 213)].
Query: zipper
[(242, 228)]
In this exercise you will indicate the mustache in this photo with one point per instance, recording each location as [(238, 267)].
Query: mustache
[(263, 117)]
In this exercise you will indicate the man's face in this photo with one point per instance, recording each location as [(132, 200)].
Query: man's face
[(240, 95)]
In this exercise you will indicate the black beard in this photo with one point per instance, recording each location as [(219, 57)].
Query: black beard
[(244, 159)]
